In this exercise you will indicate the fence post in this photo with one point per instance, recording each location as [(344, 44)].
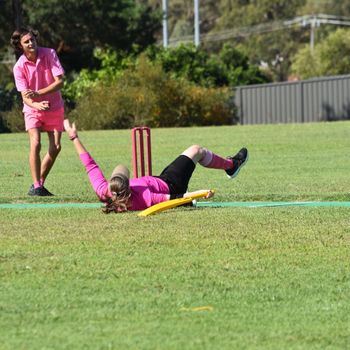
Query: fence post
[(302, 107), (239, 103)]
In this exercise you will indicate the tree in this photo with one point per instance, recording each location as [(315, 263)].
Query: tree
[(306, 63), (312, 7), (330, 57), (271, 43), (6, 23), (75, 27), (337, 7), (229, 67)]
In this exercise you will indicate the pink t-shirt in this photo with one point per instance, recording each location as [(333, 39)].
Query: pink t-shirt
[(145, 191), (38, 75)]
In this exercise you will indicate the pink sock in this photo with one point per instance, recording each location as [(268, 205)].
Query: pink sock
[(212, 160), (37, 184)]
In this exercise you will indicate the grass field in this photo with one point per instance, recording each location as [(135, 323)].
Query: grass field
[(188, 278)]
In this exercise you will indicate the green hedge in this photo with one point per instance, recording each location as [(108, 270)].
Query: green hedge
[(146, 95), (12, 121)]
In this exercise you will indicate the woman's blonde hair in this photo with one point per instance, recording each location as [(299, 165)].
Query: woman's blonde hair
[(119, 187)]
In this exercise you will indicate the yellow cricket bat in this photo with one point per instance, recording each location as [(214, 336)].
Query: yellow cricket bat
[(172, 203)]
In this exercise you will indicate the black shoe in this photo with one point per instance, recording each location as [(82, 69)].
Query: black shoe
[(40, 191), (46, 191), (238, 161), (31, 191)]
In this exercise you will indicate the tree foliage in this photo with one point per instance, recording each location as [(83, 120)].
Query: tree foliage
[(330, 57), (186, 63), (227, 68), (111, 66), (6, 23), (270, 45), (145, 94), (76, 28), (267, 44)]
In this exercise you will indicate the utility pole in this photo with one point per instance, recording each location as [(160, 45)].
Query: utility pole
[(315, 21), (165, 24), (313, 24), (196, 23)]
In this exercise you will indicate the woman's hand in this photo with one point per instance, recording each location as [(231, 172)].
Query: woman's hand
[(42, 106), (73, 135), (210, 194), (70, 129)]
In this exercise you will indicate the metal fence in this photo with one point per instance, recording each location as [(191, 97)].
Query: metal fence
[(322, 99)]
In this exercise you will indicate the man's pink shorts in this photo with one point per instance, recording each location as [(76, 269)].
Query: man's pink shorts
[(45, 120)]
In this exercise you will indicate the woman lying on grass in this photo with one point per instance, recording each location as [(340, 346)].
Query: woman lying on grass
[(120, 193)]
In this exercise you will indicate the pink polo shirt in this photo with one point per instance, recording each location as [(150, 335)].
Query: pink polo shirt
[(38, 75), (145, 191)]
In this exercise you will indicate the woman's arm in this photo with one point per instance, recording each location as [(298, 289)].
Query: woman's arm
[(96, 177), (73, 135), (29, 94), (55, 86), (41, 106)]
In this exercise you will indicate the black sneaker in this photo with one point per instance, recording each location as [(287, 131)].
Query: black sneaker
[(31, 191), (238, 161), (40, 191), (46, 192)]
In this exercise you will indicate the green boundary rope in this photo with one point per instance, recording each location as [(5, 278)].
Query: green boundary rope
[(199, 205), (49, 205), (271, 204)]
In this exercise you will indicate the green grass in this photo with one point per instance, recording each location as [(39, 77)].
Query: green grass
[(274, 278)]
